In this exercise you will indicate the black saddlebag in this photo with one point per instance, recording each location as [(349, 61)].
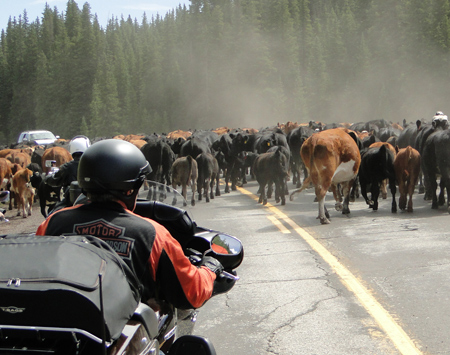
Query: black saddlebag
[(55, 282)]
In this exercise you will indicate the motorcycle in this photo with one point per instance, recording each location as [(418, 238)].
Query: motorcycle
[(75, 295)]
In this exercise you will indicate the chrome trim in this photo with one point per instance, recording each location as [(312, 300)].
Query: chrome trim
[(54, 329)]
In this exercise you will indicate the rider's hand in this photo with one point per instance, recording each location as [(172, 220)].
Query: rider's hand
[(213, 264)]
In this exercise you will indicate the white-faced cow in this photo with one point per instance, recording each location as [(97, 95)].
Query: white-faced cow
[(331, 157)]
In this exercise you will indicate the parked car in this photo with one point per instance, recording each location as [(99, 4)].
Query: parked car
[(39, 137)]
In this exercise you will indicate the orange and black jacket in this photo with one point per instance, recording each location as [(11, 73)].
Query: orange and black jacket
[(153, 254)]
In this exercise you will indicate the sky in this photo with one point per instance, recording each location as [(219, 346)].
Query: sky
[(105, 9)]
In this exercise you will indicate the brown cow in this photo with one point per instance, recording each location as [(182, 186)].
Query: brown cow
[(179, 134), (407, 169), (59, 154), (22, 159), (138, 142), (331, 158), (23, 191), (184, 173), (5, 173)]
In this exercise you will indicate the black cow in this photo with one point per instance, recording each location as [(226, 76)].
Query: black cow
[(408, 135), (436, 159), (48, 196), (270, 168), (377, 164), (208, 175), (295, 139), (193, 147)]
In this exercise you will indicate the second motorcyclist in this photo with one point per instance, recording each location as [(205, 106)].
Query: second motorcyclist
[(68, 171)]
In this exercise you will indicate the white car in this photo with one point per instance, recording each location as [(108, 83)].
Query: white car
[(40, 137)]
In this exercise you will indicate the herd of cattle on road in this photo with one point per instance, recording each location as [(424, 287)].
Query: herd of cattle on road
[(342, 158)]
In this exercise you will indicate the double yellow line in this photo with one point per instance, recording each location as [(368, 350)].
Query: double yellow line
[(392, 329)]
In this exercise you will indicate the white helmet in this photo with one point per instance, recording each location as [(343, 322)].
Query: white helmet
[(79, 144)]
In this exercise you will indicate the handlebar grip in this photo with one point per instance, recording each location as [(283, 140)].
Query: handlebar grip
[(224, 282)]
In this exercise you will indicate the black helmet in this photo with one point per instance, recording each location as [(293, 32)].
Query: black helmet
[(114, 166)]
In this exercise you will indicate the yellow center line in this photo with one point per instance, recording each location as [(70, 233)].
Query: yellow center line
[(392, 329), (280, 225)]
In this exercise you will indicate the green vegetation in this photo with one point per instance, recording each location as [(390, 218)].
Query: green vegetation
[(235, 63)]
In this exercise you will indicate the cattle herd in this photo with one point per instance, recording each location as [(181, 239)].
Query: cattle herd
[(344, 158)]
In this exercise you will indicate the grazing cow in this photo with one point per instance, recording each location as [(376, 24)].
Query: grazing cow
[(377, 164), (436, 158), (184, 173), (208, 175), (269, 168), (23, 191), (407, 170), (59, 154), (331, 157)]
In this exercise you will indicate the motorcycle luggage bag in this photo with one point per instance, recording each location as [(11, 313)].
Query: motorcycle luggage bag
[(55, 282)]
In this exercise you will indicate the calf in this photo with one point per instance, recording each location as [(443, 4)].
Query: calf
[(24, 192), (48, 195), (184, 173), (377, 164), (407, 170), (208, 175), (331, 157), (269, 168)]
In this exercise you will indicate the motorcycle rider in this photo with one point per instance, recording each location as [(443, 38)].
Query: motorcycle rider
[(68, 171), (110, 173)]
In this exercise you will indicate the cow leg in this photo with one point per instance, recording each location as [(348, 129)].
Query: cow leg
[(346, 192), (320, 194), (402, 189), (375, 192), (410, 192), (433, 186), (227, 180), (441, 200), (337, 197), (200, 188), (206, 188), (193, 183), (217, 185), (184, 193), (421, 183), (393, 189), (262, 189), (383, 189)]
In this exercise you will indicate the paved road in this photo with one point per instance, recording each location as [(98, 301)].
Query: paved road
[(371, 283)]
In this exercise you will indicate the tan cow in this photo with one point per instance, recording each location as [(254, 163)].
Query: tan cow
[(407, 169), (331, 158), (23, 191), (184, 173), (5, 173), (59, 154)]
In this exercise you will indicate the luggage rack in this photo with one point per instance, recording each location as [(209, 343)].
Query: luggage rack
[(46, 340)]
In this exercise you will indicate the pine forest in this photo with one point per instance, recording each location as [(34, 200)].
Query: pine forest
[(234, 63)]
